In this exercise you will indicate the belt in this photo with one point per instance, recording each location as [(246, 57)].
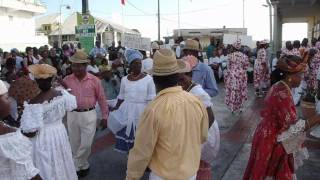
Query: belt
[(84, 110)]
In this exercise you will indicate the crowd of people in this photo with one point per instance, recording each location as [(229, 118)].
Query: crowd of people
[(159, 108)]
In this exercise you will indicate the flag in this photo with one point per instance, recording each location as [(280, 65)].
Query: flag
[(123, 2)]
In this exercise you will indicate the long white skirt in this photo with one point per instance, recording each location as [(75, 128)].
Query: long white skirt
[(211, 147), (52, 153)]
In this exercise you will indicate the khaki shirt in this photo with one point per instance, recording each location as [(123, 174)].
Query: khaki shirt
[(169, 136)]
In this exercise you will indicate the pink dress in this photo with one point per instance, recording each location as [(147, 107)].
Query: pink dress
[(261, 72), (236, 81)]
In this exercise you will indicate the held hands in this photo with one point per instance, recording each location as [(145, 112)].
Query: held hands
[(37, 177)]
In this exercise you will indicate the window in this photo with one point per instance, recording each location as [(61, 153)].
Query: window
[(10, 18)]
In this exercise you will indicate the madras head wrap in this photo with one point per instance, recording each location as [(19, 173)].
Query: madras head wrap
[(3, 88), (131, 55), (292, 64), (237, 44)]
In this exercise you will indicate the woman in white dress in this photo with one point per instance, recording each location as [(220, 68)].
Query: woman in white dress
[(211, 147), (15, 149), (136, 90), (42, 122)]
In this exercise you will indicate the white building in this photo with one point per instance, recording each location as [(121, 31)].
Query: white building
[(18, 24)]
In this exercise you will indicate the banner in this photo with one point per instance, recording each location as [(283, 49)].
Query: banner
[(232, 38), (85, 31), (135, 41)]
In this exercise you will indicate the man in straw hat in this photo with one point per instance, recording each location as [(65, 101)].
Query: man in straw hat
[(202, 73), (82, 121), (172, 128)]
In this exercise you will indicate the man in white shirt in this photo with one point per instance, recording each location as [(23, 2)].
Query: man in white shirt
[(215, 63)]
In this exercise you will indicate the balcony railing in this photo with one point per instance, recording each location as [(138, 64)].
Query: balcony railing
[(35, 6)]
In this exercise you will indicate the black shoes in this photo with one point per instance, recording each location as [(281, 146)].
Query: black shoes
[(83, 173)]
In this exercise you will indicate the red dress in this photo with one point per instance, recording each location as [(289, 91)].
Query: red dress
[(268, 157)]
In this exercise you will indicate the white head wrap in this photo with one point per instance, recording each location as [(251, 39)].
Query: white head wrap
[(3, 88)]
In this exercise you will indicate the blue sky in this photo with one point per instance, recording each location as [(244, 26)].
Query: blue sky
[(141, 14)]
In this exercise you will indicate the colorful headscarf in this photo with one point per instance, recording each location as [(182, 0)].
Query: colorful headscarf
[(131, 55), (292, 64), (264, 41), (190, 62), (237, 44)]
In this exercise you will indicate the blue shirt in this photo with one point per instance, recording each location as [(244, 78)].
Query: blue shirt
[(95, 51), (203, 74)]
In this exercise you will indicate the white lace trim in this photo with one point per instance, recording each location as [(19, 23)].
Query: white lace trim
[(299, 156), (293, 131), (32, 118), (18, 148), (70, 100)]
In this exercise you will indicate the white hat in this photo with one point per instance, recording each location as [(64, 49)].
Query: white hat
[(3, 88)]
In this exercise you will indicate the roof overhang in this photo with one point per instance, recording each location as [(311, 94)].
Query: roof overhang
[(297, 8)]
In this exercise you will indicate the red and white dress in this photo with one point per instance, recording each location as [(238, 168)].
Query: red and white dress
[(313, 69), (261, 73), (277, 149), (236, 81)]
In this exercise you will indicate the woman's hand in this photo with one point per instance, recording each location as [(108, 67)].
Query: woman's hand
[(30, 135), (313, 121)]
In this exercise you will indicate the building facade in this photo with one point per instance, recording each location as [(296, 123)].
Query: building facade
[(18, 24)]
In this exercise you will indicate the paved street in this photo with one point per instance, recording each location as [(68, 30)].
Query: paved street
[(236, 134)]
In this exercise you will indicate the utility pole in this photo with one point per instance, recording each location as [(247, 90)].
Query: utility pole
[(158, 20), (242, 13), (85, 7), (179, 30)]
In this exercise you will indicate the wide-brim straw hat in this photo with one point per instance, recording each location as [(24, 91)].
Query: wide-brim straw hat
[(80, 57), (190, 44), (42, 71), (165, 63)]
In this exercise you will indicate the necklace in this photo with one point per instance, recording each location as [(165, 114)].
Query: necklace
[(190, 87), (286, 85)]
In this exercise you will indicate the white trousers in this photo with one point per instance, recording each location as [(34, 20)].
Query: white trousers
[(81, 128), (153, 176)]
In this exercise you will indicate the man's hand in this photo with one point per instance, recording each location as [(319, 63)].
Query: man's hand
[(104, 123)]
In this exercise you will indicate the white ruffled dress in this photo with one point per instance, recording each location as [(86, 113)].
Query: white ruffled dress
[(51, 147), (16, 157), (211, 147)]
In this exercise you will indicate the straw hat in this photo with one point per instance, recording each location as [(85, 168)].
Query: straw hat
[(190, 44), (79, 57), (42, 71), (165, 63)]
